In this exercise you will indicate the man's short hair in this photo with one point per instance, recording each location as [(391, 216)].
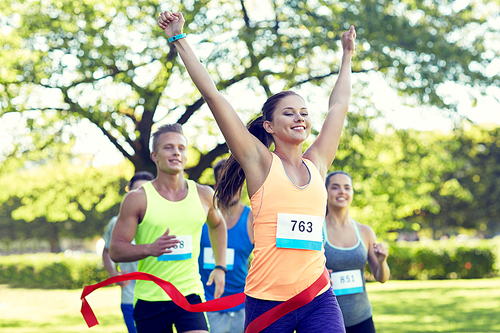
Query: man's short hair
[(168, 128)]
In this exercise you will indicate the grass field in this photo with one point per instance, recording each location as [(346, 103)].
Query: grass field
[(399, 306), (436, 306)]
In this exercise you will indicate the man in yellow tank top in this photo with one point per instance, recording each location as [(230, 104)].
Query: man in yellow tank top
[(166, 216)]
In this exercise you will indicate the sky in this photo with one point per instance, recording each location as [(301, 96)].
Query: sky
[(487, 110)]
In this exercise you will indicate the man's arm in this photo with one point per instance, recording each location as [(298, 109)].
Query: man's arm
[(131, 212), (217, 232)]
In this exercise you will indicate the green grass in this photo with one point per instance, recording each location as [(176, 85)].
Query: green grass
[(58, 311), (436, 306), (398, 306)]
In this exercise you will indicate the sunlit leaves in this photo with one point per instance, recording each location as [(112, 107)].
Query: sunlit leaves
[(112, 65)]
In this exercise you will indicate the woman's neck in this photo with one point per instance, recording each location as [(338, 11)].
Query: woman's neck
[(290, 154), (337, 216)]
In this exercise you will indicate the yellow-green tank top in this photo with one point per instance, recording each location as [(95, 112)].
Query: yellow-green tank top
[(185, 218)]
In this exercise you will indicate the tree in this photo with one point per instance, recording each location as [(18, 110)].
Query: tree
[(50, 200), (107, 62), (394, 174), (468, 198)]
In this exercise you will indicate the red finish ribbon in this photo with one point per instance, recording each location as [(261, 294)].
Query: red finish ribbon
[(226, 302), (302, 298), (175, 295)]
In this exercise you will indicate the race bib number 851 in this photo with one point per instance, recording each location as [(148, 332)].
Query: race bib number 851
[(347, 282), (295, 231)]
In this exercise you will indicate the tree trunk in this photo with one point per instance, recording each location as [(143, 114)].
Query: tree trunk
[(53, 237)]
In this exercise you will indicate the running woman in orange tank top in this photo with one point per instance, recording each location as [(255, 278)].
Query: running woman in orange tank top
[(288, 257)]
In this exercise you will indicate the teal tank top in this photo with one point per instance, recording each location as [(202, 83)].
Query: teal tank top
[(355, 307)]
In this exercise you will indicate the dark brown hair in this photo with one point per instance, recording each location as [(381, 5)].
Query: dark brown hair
[(140, 175), (231, 174), (333, 173), (217, 169)]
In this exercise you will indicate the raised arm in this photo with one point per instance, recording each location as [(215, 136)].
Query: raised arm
[(323, 150), (246, 148)]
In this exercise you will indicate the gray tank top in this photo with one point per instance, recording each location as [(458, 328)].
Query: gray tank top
[(355, 307)]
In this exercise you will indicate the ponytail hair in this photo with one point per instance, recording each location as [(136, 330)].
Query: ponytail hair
[(231, 175)]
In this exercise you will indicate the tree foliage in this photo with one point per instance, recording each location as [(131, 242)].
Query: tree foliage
[(67, 63), (108, 62), (469, 196), (403, 181), (59, 197), (408, 180)]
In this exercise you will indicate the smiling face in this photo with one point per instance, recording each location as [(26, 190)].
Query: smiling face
[(340, 191), (171, 153), (291, 121)]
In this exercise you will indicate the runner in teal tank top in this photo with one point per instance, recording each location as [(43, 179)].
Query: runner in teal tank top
[(349, 245), (166, 217)]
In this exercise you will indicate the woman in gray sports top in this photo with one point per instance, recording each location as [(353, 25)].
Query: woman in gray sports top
[(348, 246)]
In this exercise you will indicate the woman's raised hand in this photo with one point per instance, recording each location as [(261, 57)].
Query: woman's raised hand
[(171, 23), (348, 38)]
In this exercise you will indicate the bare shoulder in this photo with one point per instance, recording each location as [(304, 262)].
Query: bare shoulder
[(366, 232), (134, 203), (205, 192), (257, 169), (136, 196), (132, 208)]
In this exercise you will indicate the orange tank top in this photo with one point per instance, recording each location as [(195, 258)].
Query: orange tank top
[(288, 222)]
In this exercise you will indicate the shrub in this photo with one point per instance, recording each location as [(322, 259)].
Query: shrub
[(443, 260), (408, 261), (46, 270)]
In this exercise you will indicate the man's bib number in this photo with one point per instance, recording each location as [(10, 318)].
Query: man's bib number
[(295, 231), (347, 282), (181, 251), (209, 259)]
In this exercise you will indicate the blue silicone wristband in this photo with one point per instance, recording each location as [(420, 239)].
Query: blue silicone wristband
[(221, 268), (174, 38)]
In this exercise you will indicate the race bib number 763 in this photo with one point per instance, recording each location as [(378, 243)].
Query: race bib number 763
[(295, 231)]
